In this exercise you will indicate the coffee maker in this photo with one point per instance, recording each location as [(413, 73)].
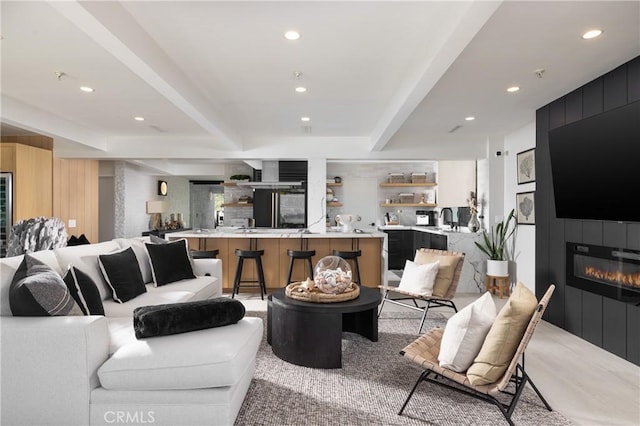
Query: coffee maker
[(425, 218)]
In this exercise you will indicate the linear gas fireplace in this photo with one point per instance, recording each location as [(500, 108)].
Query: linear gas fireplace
[(608, 271)]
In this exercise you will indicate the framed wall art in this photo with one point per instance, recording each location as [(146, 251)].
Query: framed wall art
[(526, 161), (526, 208)]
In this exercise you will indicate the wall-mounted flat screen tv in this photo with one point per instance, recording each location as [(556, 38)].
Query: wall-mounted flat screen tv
[(595, 166)]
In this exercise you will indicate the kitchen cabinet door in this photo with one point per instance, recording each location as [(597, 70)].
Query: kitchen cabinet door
[(421, 240), (400, 246), (371, 261), (439, 242)]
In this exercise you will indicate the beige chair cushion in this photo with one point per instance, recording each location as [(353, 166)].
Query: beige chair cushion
[(445, 272), (503, 338)]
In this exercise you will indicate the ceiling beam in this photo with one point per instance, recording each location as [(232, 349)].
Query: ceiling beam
[(113, 28), (421, 80)]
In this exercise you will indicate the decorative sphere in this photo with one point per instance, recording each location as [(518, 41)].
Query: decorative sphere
[(332, 274)]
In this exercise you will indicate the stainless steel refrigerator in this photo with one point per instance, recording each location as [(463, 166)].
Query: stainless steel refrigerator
[(6, 210), (273, 208)]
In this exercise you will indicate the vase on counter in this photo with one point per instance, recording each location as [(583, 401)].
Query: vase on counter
[(474, 223)]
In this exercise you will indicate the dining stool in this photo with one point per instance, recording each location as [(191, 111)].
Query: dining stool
[(257, 256), (300, 254), (351, 255)]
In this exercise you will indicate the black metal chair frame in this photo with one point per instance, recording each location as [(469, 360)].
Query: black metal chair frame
[(519, 379), (431, 303)]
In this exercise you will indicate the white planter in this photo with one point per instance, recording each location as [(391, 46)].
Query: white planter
[(498, 268)]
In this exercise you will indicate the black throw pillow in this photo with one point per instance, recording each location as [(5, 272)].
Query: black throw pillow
[(170, 262), (84, 291), (174, 318), (37, 290), (122, 272)]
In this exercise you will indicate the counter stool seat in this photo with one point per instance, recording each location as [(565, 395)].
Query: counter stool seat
[(351, 255), (300, 254), (257, 256), (204, 254)]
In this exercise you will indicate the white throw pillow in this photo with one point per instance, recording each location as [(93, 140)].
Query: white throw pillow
[(465, 332), (419, 279)]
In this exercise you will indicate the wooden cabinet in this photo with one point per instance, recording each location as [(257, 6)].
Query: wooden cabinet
[(455, 180), (371, 261), (32, 170)]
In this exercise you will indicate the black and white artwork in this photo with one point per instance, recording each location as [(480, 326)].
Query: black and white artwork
[(526, 166), (526, 208)]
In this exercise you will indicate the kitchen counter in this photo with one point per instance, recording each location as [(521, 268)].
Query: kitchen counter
[(276, 242)]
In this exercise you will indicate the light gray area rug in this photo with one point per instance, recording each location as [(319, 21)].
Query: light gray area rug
[(370, 388)]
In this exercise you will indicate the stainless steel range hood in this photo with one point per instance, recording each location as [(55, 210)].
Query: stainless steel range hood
[(270, 178)]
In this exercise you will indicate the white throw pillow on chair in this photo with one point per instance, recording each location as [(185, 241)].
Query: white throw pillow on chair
[(465, 332), (419, 279)]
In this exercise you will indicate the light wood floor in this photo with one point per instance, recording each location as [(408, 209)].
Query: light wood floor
[(588, 385)]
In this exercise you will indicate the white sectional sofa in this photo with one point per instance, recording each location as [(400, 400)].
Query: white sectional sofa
[(91, 370)]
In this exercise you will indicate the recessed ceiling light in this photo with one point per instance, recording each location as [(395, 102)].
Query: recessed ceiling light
[(138, 118), (301, 89), (305, 119), (591, 34), (86, 89), (470, 118), (513, 89), (292, 35)]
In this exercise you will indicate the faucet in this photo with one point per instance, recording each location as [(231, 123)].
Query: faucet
[(444, 221)]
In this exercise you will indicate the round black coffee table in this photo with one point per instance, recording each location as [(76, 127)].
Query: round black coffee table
[(310, 334)]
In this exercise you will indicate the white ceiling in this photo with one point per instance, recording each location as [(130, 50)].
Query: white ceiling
[(215, 79)]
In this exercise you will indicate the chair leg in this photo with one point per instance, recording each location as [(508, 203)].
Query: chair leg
[(424, 317), (544, 401), (310, 265), (236, 280), (423, 376), (263, 285), (384, 298), (290, 270)]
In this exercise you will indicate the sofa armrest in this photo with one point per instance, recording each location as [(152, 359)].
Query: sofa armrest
[(49, 367), (212, 267)]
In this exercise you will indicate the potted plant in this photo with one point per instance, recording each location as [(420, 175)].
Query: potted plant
[(494, 245)]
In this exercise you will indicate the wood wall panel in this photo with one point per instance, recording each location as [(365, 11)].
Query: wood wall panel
[(37, 141), (614, 326), (610, 324), (76, 195), (32, 176)]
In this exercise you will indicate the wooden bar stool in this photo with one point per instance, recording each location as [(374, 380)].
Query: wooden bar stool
[(498, 283), (257, 256), (300, 254), (352, 256)]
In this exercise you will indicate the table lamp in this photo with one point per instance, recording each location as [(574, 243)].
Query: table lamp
[(155, 209)]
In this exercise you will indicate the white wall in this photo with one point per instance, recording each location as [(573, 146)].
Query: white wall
[(518, 141)]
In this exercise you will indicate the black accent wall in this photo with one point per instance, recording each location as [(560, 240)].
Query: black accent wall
[(607, 323)]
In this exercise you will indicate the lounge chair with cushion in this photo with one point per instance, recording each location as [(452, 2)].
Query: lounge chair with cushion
[(443, 289), (494, 373)]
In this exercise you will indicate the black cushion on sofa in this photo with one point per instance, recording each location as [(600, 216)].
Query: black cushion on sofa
[(174, 318), (170, 262), (84, 291), (122, 272), (37, 290)]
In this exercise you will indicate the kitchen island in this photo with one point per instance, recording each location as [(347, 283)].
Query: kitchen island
[(276, 242)]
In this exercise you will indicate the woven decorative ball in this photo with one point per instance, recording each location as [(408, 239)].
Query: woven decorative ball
[(332, 274)]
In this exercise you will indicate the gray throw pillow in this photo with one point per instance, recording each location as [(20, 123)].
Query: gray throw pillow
[(37, 290)]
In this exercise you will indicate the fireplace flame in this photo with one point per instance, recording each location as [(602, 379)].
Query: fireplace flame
[(617, 277)]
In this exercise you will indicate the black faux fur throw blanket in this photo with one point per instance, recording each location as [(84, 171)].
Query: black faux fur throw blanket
[(174, 318)]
